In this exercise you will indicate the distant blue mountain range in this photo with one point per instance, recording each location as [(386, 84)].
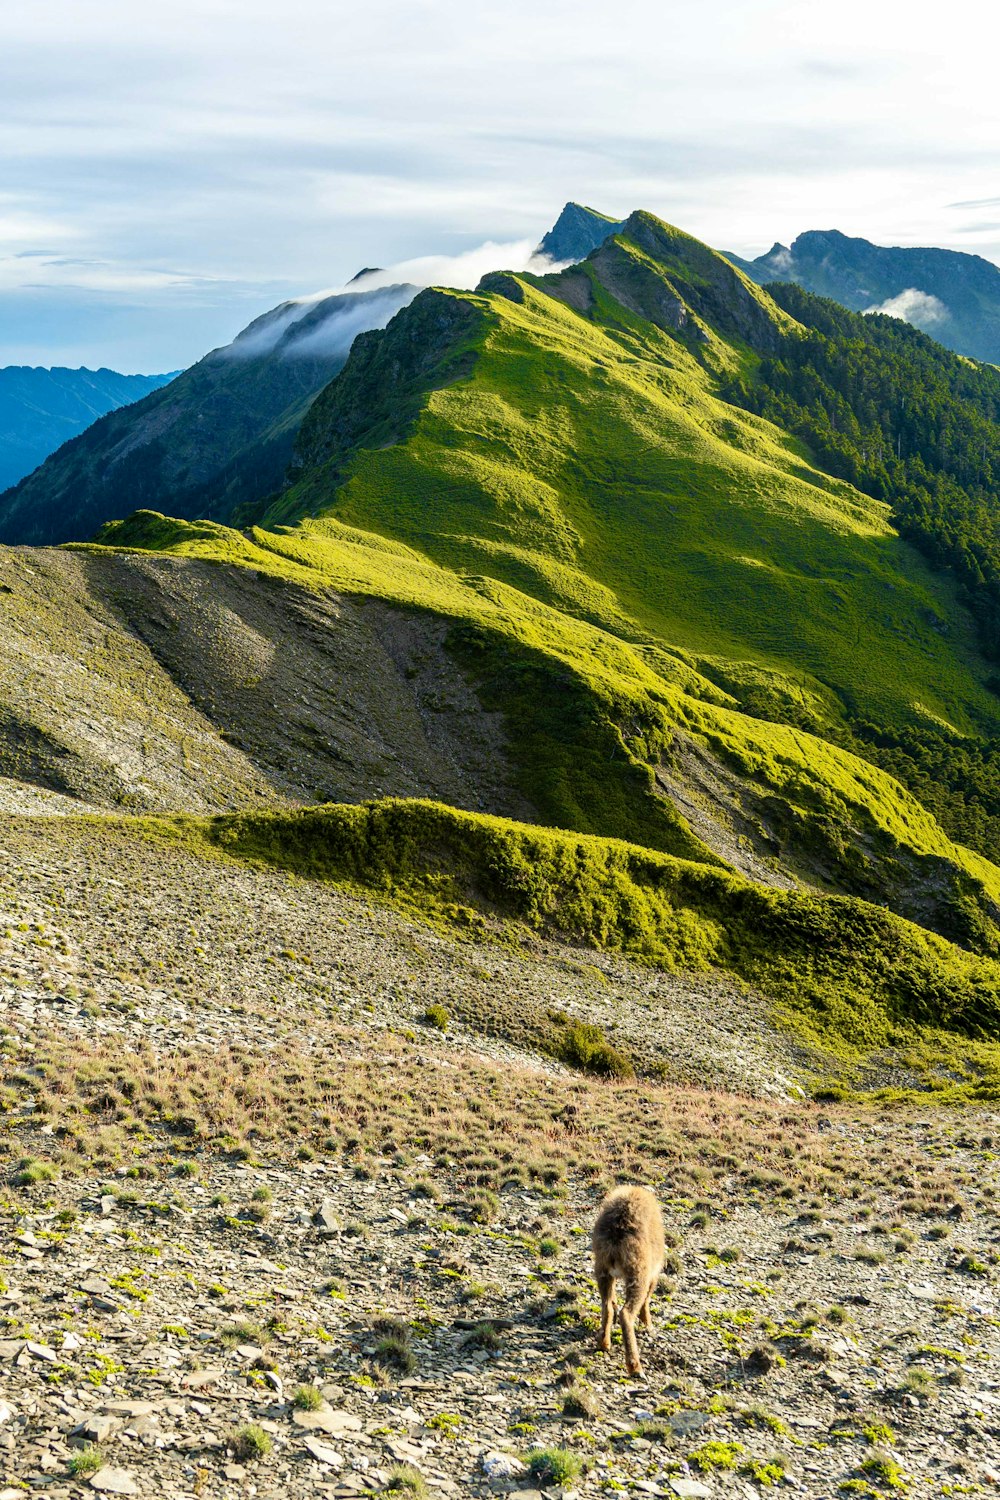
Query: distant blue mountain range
[(40, 409)]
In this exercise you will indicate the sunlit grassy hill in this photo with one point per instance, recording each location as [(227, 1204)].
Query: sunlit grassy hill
[(680, 619), (565, 444)]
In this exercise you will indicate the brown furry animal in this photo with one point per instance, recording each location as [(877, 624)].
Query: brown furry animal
[(628, 1247)]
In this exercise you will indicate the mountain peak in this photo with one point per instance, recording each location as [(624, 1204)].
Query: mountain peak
[(953, 295), (687, 277), (576, 232)]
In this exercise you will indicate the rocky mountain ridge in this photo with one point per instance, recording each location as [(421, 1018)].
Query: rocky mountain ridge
[(949, 294)]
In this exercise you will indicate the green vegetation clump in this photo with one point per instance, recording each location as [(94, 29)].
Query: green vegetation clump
[(87, 1461), (406, 1480), (483, 1207), (243, 1332), (554, 1465), (585, 1046), (884, 1471), (486, 1336), (307, 1398), (393, 1347), (843, 969), (580, 1401), (436, 1016), (715, 1455), (30, 1171), (250, 1442), (770, 1472)]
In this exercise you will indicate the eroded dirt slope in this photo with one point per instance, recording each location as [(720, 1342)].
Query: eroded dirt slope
[(170, 684)]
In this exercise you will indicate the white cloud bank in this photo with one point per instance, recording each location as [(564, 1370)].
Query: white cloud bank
[(325, 324), (922, 309)]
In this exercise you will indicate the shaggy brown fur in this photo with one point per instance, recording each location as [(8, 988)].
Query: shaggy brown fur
[(628, 1247)]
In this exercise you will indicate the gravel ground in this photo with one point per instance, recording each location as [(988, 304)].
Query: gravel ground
[(818, 1331), (160, 1322)]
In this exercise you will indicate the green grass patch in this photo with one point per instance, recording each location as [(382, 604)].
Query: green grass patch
[(844, 972)]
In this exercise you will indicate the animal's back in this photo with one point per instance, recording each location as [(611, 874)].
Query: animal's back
[(629, 1222)]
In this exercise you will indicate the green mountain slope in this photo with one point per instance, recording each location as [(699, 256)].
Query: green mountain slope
[(681, 618), (585, 457)]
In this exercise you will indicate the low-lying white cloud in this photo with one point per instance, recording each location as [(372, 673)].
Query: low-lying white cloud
[(781, 259), (325, 324), (922, 309), (463, 270)]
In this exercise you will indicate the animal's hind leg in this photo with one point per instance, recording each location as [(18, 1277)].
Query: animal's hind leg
[(647, 1321), (606, 1287), (630, 1309)]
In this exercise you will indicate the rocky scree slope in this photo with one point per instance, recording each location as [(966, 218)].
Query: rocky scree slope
[(149, 684), (325, 1248)]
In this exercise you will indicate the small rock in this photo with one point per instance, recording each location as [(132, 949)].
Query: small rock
[(325, 1218), (114, 1482), (690, 1489), (94, 1286), (323, 1452), (325, 1419), (684, 1423), (502, 1466), (95, 1429)]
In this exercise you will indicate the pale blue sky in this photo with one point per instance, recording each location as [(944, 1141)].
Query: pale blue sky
[(166, 176)]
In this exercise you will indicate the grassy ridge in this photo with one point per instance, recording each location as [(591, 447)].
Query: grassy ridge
[(624, 558), (848, 973), (634, 698), (587, 460)]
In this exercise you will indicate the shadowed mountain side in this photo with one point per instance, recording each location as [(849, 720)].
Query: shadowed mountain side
[(42, 409), (215, 440), (953, 296), (576, 232), (149, 683)]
